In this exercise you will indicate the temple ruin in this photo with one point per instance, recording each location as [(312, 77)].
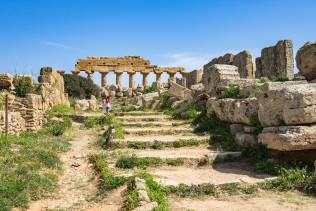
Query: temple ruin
[(118, 65)]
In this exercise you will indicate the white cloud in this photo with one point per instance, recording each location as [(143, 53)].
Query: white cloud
[(187, 60), (57, 45)]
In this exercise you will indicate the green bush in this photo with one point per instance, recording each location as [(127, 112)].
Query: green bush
[(23, 85), (80, 87), (233, 91), (151, 89), (57, 128)]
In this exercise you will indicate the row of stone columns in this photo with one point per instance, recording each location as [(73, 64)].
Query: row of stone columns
[(104, 81)]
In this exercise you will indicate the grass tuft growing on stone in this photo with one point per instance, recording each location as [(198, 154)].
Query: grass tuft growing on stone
[(108, 181)]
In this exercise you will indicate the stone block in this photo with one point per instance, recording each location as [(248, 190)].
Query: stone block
[(289, 138), (244, 62), (245, 139), (216, 74), (6, 82), (179, 92), (287, 103), (193, 77), (235, 110), (306, 60), (277, 61)]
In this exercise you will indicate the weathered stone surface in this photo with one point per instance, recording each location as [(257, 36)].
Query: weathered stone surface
[(52, 88), (197, 89), (236, 128), (258, 72), (147, 99), (277, 61), (181, 81), (147, 207), (16, 123), (235, 110), (6, 81), (289, 138), (247, 87), (217, 73), (193, 77), (306, 60), (143, 196), (287, 103), (245, 139), (180, 92), (244, 62)]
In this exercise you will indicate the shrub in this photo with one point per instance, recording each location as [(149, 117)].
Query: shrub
[(183, 190), (157, 145), (232, 91), (59, 110), (80, 87), (151, 89), (137, 145), (58, 128), (23, 85)]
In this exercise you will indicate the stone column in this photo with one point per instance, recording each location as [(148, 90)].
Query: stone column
[(118, 79), (104, 80), (145, 80), (158, 79), (89, 76), (131, 80), (171, 76)]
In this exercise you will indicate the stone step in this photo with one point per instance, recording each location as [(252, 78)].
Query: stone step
[(158, 131), (139, 113), (192, 153), (222, 173), (156, 124), (152, 118), (162, 138)]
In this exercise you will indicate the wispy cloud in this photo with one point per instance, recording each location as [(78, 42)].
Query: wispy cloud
[(187, 60), (57, 45)]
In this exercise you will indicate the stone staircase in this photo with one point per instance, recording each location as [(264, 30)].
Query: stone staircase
[(147, 128)]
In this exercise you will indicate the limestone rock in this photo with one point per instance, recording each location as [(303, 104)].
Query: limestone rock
[(147, 99), (179, 92), (288, 103), (6, 81), (289, 138), (235, 110), (147, 207), (243, 61), (245, 139), (193, 77), (143, 196), (277, 61), (217, 73), (306, 60)]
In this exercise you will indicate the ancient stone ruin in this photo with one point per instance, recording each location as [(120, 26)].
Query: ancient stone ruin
[(118, 65), (29, 112)]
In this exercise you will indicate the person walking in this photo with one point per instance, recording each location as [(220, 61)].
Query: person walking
[(107, 104)]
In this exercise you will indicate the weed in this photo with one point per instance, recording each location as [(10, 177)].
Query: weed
[(157, 145), (137, 145), (151, 89), (233, 91), (59, 110), (204, 161), (156, 192), (254, 121), (175, 162), (230, 188), (184, 143), (128, 162), (183, 190), (131, 201)]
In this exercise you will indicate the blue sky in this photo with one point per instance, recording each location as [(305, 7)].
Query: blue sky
[(188, 33)]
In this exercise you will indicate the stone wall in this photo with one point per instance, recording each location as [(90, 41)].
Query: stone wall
[(276, 61), (193, 77), (306, 60), (242, 60), (29, 112)]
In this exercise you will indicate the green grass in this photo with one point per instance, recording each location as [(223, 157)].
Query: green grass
[(183, 190), (131, 161), (108, 181), (156, 192), (57, 128), (29, 164), (137, 145), (131, 196), (106, 120), (59, 110), (233, 91), (185, 143)]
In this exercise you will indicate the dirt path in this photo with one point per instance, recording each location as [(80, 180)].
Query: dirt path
[(78, 185)]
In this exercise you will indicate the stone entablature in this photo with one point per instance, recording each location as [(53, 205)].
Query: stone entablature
[(118, 65)]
